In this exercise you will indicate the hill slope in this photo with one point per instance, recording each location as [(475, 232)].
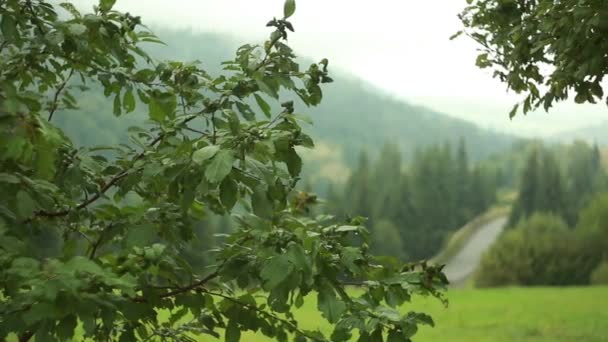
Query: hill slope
[(353, 115), (592, 134)]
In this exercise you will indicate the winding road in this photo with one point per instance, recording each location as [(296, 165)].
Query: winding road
[(465, 262)]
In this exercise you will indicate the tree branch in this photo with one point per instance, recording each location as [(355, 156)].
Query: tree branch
[(54, 105), (111, 182), (26, 336), (267, 314), (181, 290)]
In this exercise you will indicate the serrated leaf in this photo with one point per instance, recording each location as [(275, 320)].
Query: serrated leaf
[(513, 111), (128, 101), (205, 153), (9, 28), (289, 8), (275, 271), (347, 229), (260, 203), (264, 106), (233, 333), (294, 162), (25, 204), (8, 178), (220, 166), (117, 106), (155, 112), (106, 5), (229, 192), (245, 111), (331, 307), (77, 29), (66, 327)]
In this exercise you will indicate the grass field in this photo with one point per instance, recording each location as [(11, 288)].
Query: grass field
[(509, 314), (496, 315)]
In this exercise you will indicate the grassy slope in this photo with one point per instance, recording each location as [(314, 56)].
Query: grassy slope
[(497, 315), (509, 314)]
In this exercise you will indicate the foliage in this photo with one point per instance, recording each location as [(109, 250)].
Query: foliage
[(386, 240), (594, 217), (541, 189), (354, 116), (121, 215), (600, 274), (409, 197), (593, 222), (545, 49), (544, 187), (540, 250)]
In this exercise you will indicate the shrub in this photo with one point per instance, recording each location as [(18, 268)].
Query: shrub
[(540, 250), (386, 240), (600, 274)]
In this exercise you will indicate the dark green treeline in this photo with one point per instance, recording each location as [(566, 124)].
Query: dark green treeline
[(411, 210)]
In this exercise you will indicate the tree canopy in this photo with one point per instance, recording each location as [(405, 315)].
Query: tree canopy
[(545, 49), (95, 235)]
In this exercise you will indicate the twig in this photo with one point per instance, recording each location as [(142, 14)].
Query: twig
[(26, 336), (97, 243), (55, 105), (181, 290), (214, 137), (111, 182), (265, 313)]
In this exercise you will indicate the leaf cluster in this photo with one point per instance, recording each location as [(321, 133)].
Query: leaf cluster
[(95, 235)]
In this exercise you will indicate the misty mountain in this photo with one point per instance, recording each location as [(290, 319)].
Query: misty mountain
[(595, 134), (352, 117)]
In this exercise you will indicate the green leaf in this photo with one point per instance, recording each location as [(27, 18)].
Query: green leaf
[(289, 8), (260, 203), (155, 111), (128, 101), (161, 106), (264, 106), (205, 153), (331, 307), (233, 333), (395, 336), (66, 327), (77, 29), (117, 108), (220, 166), (294, 162), (8, 178), (344, 229), (245, 111), (106, 5), (513, 111), (9, 28), (25, 204), (274, 271), (229, 192)]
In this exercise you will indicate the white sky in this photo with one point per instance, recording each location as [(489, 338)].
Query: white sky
[(401, 46)]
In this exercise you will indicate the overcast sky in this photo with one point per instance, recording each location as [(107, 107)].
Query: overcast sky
[(401, 46)]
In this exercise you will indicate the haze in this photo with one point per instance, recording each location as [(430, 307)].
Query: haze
[(401, 47)]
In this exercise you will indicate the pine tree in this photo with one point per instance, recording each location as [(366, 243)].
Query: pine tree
[(528, 189), (550, 195), (464, 196), (358, 194)]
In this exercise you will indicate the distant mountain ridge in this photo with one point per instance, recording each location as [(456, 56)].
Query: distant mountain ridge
[(595, 134), (353, 114), (352, 117)]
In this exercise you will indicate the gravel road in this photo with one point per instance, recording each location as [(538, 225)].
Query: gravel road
[(464, 263)]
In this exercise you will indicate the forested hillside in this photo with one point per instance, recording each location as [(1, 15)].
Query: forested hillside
[(353, 116)]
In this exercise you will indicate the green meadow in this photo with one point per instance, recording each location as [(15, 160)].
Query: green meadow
[(506, 314), (549, 314)]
